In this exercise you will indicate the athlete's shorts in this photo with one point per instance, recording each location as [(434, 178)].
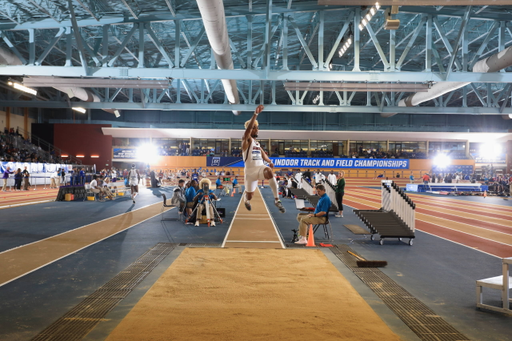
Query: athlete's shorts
[(134, 183), (251, 177)]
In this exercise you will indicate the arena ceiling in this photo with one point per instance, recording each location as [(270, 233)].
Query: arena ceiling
[(157, 55)]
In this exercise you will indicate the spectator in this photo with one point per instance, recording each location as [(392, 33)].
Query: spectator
[(17, 179), (190, 194), (411, 178), (426, 179), (178, 197), (332, 178), (340, 192), (6, 178), (26, 176)]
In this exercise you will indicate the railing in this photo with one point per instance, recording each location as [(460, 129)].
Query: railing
[(394, 199), (46, 148)]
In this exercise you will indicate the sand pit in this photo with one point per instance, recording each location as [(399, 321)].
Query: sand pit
[(252, 294)]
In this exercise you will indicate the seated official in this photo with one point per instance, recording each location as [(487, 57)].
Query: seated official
[(204, 187), (319, 216), (96, 187)]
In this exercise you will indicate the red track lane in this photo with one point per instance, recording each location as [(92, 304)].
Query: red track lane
[(490, 206), (27, 197), (482, 244), (457, 219), (433, 203)]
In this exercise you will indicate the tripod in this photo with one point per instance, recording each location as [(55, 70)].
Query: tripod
[(208, 206)]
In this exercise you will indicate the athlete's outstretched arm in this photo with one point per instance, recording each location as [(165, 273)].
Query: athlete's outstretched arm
[(247, 133)]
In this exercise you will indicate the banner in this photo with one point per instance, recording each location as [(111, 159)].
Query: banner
[(289, 162), (125, 153)]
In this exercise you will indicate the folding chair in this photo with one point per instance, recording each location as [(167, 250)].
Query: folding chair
[(326, 226), (165, 205)]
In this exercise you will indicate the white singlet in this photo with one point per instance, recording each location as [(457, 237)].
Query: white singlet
[(253, 166), (133, 178)]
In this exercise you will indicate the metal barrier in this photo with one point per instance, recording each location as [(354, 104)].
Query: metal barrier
[(394, 199)]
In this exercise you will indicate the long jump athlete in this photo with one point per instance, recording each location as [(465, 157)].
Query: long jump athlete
[(253, 157)]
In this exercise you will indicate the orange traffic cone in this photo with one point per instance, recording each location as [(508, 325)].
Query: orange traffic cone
[(485, 194), (311, 237), (233, 192)]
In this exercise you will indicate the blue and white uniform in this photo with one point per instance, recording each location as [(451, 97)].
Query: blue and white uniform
[(254, 166)]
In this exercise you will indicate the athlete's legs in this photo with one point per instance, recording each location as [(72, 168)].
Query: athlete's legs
[(269, 175)]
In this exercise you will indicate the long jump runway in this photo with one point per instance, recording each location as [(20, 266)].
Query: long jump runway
[(253, 229)]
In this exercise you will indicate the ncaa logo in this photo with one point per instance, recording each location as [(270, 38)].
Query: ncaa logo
[(216, 161)]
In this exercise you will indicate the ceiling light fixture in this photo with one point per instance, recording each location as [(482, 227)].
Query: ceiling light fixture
[(315, 100), (345, 46), (117, 113), (98, 82), (79, 109), (368, 16), (23, 88)]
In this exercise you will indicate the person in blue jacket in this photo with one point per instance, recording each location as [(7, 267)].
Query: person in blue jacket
[(190, 194)]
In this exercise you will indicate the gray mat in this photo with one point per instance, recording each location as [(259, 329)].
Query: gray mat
[(356, 229)]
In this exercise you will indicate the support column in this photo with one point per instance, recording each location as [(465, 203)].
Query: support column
[(467, 149), (8, 118), (427, 147), (25, 123)]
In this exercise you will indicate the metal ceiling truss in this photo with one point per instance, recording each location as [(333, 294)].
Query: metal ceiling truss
[(286, 42)]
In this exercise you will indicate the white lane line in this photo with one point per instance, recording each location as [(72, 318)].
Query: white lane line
[(272, 219), (80, 227), (232, 220), (252, 241), (77, 250)]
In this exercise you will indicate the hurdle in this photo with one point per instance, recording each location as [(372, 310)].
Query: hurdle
[(395, 218)]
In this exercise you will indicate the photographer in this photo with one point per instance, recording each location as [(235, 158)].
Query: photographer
[(201, 195)]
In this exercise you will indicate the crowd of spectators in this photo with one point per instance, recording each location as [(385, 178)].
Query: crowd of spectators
[(14, 148), (379, 154)]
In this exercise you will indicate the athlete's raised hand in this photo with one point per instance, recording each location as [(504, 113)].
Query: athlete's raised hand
[(259, 109)]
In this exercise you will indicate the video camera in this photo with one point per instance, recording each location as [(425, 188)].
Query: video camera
[(206, 188)]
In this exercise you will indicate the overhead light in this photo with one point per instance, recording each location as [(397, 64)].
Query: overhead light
[(368, 16), (95, 156), (79, 109), (346, 45), (64, 155), (117, 113), (80, 156), (98, 82), (23, 88), (315, 100)]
